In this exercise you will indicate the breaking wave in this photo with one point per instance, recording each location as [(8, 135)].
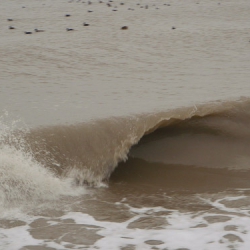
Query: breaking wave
[(46, 162)]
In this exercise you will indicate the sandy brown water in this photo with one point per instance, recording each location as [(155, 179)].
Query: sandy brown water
[(100, 71), (169, 107)]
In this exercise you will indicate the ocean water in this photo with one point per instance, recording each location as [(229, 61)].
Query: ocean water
[(125, 139)]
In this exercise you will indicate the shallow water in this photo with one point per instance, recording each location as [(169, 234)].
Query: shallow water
[(125, 139)]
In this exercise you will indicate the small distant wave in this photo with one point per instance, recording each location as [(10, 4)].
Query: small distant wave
[(39, 161)]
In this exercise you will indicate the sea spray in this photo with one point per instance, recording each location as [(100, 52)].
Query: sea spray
[(22, 178)]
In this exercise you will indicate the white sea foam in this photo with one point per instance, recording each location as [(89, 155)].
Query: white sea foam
[(184, 230), (222, 227)]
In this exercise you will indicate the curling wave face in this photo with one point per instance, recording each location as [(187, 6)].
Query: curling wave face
[(48, 161)]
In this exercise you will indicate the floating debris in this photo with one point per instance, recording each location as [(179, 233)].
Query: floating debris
[(37, 30), (124, 27)]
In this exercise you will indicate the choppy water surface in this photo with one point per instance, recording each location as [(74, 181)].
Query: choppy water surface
[(125, 139)]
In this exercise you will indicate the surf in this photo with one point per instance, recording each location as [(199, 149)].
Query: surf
[(211, 135)]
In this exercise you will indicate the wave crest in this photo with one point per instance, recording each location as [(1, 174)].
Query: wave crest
[(42, 162)]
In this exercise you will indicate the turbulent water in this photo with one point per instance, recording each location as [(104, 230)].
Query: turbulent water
[(125, 139)]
